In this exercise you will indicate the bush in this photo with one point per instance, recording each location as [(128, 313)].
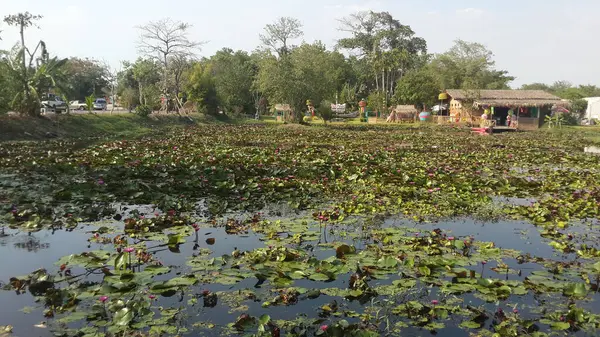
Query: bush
[(325, 111), (143, 110)]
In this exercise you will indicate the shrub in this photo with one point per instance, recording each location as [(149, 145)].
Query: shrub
[(325, 111), (143, 110)]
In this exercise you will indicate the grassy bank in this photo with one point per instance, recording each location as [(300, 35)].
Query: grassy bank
[(93, 125)]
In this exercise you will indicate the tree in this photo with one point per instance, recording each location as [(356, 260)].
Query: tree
[(28, 102), (308, 73), (418, 87), (390, 48), (536, 86), (164, 40), (469, 66), (233, 77), (200, 87), (84, 77), (278, 35), (179, 66), (145, 74), (39, 79)]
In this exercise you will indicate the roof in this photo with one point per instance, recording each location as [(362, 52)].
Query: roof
[(406, 108), (506, 97)]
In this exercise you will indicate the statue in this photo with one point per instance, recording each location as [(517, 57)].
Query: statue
[(363, 109)]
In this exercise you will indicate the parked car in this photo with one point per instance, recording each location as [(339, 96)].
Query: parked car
[(54, 102), (77, 105), (100, 104)]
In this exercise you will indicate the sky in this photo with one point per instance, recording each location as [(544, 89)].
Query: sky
[(535, 40)]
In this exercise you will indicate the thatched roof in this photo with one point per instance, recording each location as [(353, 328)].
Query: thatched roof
[(406, 109), (506, 97), (283, 107)]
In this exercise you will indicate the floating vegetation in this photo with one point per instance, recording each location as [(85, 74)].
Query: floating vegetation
[(275, 231)]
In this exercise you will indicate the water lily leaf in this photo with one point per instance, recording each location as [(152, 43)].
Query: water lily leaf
[(282, 282), (121, 261), (387, 262), (123, 317), (176, 282), (175, 239), (560, 326), (405, 283), (264, 319), (355, 293), (424, 270), (487, 283), (319, 277), (578, 290), (458, 288)]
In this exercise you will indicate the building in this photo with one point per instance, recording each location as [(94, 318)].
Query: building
[(528, 107), (593, 108)]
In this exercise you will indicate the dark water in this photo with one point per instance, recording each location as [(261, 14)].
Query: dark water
[(22, 253)]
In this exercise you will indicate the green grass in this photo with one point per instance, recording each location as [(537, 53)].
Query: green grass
[(96, 125)]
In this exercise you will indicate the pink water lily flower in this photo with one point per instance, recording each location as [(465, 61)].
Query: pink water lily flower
[(324, 327), (435, 302), (129, 249), (103, 299)]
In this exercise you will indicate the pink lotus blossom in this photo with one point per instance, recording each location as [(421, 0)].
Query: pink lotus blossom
[(100, 182), (435, 302), (484, 262), (516, 311), (451, 238), (324, 327), (103, 299), (151, 297), (129, 249)]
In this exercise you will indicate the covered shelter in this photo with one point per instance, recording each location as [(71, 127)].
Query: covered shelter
[(402, 113), (514, 109)]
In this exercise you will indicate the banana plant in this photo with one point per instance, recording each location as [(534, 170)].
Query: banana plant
[(89, 102)]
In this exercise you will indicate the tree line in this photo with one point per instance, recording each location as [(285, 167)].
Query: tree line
[(380, 59)]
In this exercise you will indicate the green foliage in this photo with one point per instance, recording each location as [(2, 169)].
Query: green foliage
[(201, 88), (89, 102), (376, 102), (309, 72), (418, 87), (143, 110), (84, 77), (233, 77), (129, 98), (469, 65), (324, 111), (386, 45)]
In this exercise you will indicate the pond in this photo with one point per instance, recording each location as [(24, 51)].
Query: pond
[(348, 236)]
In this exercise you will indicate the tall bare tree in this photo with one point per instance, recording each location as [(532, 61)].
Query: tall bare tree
[(164, 40), (278, 34)]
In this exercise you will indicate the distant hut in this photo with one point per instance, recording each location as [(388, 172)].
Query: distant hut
[(527, 108), (402, 113)]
